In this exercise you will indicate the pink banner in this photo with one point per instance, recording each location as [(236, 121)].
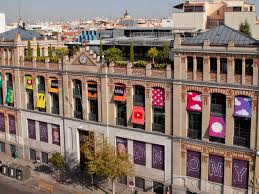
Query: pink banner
[(194, 102), (217, 127)]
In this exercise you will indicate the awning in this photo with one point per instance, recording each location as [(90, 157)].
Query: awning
[(41, 100), (217, 127), (138, 115), (29, 85), (194, 102), (158, 97), (119, 93), (53, 85), (243, 107), (92, 89)]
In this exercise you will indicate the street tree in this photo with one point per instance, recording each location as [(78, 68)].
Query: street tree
[(164, 53), (245, 28), (58, 162), (152, 53), (113, 54), (104, 160)]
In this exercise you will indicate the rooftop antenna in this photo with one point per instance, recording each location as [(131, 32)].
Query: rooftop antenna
[(19, 12)]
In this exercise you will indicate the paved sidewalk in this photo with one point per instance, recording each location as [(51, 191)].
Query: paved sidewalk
[(59, 188)]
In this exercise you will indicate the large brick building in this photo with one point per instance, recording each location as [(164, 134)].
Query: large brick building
[(191, 126)]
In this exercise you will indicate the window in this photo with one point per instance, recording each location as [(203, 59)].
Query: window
[(32, 155), (213, 65), (30, 101), (195, 125), (31, 129), (249, 66), (237, 9), (242, 127), (77, 94), (217, 12), (13, 150), (44, 157), (41, 104), (93, 110), (43, 132), (223, 65), (190, 64), (159, 119), (139, 96), (140, 183), (41, 84), (158, 188), (238, 66), (218, 104), (12, 124), (54, 103), (199, 64), (2, 147), (121, 118), (1, 89), (9, 91)]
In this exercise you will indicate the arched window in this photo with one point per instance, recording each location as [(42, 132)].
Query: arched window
[(92, 101), (77, 96), (41, 98), (9, 90), (218, 104), (120, 104), (1, 89), (29, 92), (158, 104), (138, 112), (54, 90)]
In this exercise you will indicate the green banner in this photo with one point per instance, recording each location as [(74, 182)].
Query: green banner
[(9, 96), (1, 80)]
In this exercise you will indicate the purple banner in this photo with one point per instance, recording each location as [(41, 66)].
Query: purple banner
[(2, 122), (243, 107), (240, 174), (193, 167), (31, 129), (158, 157), (55, 134), (43, 132), (216, 169), (122, 145), (12, 125), (139, 152)]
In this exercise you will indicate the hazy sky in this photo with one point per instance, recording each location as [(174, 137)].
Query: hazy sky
[(35, 10)]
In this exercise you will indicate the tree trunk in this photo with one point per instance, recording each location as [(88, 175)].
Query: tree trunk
[(153, 60), (113, 186)]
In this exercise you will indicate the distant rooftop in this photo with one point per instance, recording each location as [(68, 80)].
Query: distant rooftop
[(222, 35), (24, 33)]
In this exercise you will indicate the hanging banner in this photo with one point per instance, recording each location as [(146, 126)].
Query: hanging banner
[(1, 80), (120, 93), (240, 172), (158, 97), (2, 122), (12, 124), (138, 115), (122, 145), (158, 157), (29, 85), (217, 127), (216, 169), (243, 107), (55, 134), (41, 100), (193, 164), (53, 86), (9, 96), (31, 129), (194, 102), (43, 132), (92, 89), (139, 152)]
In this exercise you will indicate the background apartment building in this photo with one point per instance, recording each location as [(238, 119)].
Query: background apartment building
[(203, 15), (192, 126)]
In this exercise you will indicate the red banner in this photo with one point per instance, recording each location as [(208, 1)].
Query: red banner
[(138, 115)]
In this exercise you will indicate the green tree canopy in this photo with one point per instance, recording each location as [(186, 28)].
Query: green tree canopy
[(101, 50), (245, 28), (57, 160), (132, 52), (105, 161), (163, 54), (152, 53), (29, 52), (38, 50), (113, 54)]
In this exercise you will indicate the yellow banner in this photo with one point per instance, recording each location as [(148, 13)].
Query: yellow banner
[(53, 86), (41, 100)]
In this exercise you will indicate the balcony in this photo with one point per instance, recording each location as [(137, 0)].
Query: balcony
[(158, 127), (121, 121), (241, 141), (194, 134)]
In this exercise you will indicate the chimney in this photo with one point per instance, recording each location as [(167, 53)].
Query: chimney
[(23, 25)]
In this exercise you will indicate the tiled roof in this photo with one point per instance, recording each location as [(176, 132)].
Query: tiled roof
[(25, 34), (221, 35)]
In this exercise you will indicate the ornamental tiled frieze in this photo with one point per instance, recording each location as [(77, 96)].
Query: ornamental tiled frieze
[(218, 151)]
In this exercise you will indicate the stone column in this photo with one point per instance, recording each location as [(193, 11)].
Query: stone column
[(168, 112), (148, 109), (111, 106), (129, 101), (205, 116), (255, 72), (60, 96), (243, 79), (178, 66), (8, 57), (254, 123), (177, 108), (35, 90), (68, 106), (206, 69), (48, 97), (204, 171), (227, 175), (102, 91), (194, 67), (3, 57), (17, 89), (218, 69), (230, 70), (85, 100), (229, 134)]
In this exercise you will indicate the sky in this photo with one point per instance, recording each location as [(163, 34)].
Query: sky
[(67, 10)]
